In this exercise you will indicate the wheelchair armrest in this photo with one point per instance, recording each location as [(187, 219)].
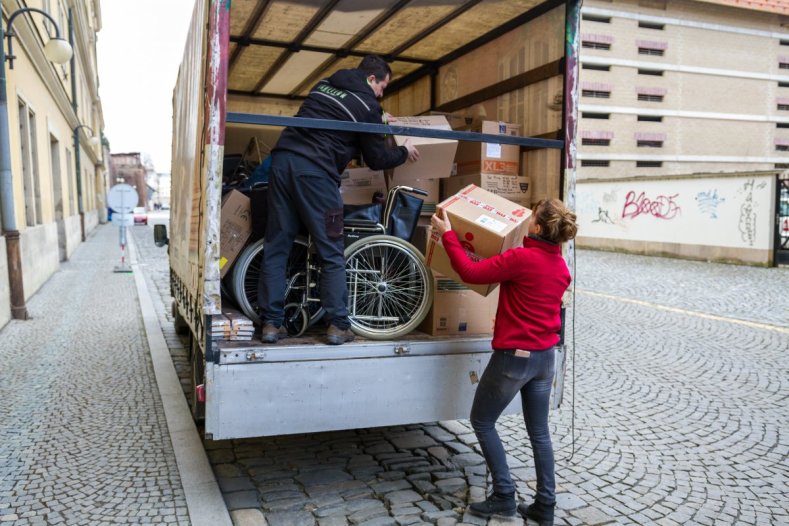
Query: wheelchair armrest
[(360, 223)]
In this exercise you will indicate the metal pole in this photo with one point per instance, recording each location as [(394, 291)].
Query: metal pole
[(74, 106), (15, 282)]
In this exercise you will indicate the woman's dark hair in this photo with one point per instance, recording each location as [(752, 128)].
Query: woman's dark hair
[(375, 65), (556, 221)]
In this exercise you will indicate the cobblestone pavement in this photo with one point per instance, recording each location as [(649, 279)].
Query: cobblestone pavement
[(675, 418), (83, 438)]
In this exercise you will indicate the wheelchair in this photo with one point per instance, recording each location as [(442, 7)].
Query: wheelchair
[(389, 287)]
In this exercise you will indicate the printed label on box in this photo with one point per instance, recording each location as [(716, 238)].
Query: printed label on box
[(490, 223), (493, 150)]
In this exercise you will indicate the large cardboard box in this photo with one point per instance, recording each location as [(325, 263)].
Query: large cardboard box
[(458, 311), (235, 228), (487, 224), (435, 155), (486, 157), (359, 184), (512, 187)]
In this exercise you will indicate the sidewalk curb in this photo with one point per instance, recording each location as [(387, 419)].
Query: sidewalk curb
[(204, 500)]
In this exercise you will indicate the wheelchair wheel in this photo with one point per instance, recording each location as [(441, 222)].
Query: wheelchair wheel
[(297, 319), (389, 288), (246, 274)]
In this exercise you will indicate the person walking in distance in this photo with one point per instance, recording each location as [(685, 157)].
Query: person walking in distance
[(533, 279), (304, 186)]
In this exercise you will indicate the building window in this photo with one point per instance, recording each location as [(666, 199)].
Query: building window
[(72, 185), (595, 162), (596, 67), (784, 42), (783, 84), (592, 115), (30, 176), (783, 65), (783, 107), (651, 25), (651, 98), (595, 45), (596, 18), (782, 124), (649, 144), (781, 166), (651, 51), (654, 72), (650, 118), (595, 94), (596, 142), (782, 147), (649, 164)]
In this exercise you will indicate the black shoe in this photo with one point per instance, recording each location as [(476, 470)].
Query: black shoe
[(537, 511), (271, 334), (501, 504), (337, 336)]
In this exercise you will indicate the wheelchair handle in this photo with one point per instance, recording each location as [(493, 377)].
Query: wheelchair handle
[(410, 189)]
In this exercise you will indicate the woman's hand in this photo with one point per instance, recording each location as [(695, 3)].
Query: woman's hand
[(440, 222)]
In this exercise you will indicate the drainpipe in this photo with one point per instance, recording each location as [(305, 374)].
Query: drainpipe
[(77, 160), (18, 307)]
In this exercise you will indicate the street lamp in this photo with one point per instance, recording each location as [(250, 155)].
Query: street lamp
[(59, 51), (93, 140)]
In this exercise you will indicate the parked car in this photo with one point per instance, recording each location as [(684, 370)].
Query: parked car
[(140, 216)]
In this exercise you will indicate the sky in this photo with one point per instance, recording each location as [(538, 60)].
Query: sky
[(139, 48)]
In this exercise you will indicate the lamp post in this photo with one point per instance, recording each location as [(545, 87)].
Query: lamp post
[(94, 140), (56, 50)]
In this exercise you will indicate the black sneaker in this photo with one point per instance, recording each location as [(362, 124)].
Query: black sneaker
[(501, 504), (337, 336), (271, 334), (537, 511)]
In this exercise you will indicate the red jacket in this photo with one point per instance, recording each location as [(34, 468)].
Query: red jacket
[(533, 279)]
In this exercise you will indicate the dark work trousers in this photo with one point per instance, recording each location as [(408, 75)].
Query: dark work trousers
[(505, 376), (299, 193)]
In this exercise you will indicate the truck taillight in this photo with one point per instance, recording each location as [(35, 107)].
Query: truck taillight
[(200, 393)]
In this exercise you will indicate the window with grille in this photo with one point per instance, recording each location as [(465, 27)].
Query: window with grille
[(595, 94), (782, 124), (596, 18), (649, 144), (651, 51), (781, 166), (596, 142), (783, 107), (650, 118), (651, 25), (596, 67), (653, 72), (783, 84), (595, 162), (784, 42), (588, 44), (782, 147), (651, 98), (649, 164), (593, 115), (783, 65)]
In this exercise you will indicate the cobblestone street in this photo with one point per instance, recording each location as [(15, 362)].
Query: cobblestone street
[(680, 394)]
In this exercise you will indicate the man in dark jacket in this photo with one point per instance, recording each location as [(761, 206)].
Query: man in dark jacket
[(304, 189)]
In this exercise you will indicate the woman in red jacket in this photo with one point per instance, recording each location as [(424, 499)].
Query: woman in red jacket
[(533, 279)]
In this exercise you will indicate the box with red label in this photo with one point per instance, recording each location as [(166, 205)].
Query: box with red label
[(486, 224), (457, 311), (486, 157)]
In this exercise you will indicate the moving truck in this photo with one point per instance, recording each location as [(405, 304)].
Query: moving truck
[(247, 65)]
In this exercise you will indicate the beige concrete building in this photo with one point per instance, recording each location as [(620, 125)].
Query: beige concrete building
[(57, 192), (683, 86)]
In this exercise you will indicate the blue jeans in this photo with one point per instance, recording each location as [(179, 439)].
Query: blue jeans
[(299, 193), (504, 376)]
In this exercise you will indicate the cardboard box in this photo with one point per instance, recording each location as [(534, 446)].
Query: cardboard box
[(513, 187), (457, 311), (433, 197), (235, 228), (359, 184), (474, 157), (435, 155), (487, 224)]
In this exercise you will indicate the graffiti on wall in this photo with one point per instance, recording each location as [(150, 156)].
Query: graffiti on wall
[(661, 207), (708, 202), (747, 222)]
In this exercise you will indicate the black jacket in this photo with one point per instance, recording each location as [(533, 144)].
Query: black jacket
[(344, 96)]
